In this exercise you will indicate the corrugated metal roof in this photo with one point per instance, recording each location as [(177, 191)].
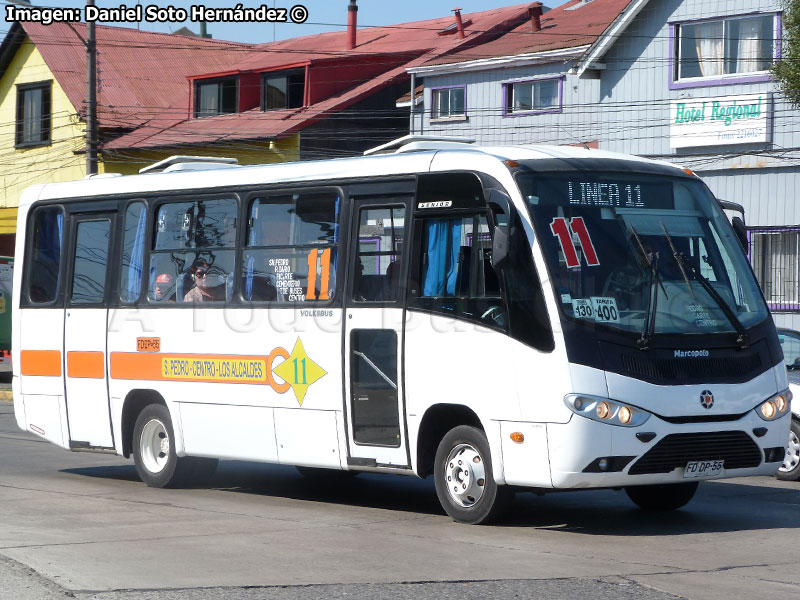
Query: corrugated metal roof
[(141, 75), (413, 38), (570, 25), (250, 125)]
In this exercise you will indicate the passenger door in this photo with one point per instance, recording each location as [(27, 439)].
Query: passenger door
[(373, 334), (85, 330)]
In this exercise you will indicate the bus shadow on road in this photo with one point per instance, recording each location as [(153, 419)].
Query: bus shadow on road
[(367, 490), (717, 507), (116, 472)]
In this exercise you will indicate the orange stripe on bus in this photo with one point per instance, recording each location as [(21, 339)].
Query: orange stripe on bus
[(134, 365), (90, 365), (43, 363)]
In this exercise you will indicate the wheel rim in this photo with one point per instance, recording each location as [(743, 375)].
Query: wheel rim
[(465, 475), (792, 458), (154, 445)]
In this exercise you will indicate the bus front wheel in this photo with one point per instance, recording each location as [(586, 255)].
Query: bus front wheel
[(790, 469), (662, 497), (154, 449), (464, 480)]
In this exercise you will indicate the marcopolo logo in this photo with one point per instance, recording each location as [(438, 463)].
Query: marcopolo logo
[(691, 354), (716, 110)]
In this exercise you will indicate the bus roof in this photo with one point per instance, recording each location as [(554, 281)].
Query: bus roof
[(386, 165)]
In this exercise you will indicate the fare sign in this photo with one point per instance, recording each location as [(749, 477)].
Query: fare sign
[(725, 120)]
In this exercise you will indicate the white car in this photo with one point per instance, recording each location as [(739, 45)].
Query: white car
[(790, 342)]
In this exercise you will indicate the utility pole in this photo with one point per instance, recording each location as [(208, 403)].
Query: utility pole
[(91, 97)]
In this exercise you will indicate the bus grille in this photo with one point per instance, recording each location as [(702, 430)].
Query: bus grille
[(736, 448), (703, 369)]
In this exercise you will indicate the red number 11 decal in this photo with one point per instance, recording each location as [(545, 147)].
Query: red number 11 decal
[(578, 227)]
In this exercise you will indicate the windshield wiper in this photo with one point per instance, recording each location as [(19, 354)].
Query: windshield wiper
[(742, 340), (650, 260)]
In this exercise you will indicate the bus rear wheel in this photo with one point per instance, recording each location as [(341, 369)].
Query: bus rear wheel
[(464, 480), (669, 496), (154, 454)]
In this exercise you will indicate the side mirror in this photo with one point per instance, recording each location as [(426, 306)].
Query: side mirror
[(741, 232), (500, 203), (500, 246)]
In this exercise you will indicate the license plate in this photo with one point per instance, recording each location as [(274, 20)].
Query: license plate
[(703, 468)]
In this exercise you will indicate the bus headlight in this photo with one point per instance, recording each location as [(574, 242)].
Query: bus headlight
[(605, 410), (775, 407)]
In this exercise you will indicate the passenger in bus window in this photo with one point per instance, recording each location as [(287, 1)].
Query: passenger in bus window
[(209, 283), (164, 289)]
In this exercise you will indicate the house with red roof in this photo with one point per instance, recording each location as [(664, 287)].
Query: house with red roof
[(324, 95), (336, 91)]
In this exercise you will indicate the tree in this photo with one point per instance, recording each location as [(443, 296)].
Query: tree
[(787, 68)]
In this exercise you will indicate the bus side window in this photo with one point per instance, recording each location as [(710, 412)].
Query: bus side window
[(44, 261), (193, 251), (380, 248), (291, 250), (130, 283), (454, 271)]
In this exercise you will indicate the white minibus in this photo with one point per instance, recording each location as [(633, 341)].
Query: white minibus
[(501, 318)]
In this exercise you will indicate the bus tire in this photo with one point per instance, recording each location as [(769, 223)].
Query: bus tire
[(670, 496), (464, 480), (790, 469), (154, 449)]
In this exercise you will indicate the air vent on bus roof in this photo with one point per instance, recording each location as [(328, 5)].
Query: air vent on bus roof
[(189, 163), (418, 143)]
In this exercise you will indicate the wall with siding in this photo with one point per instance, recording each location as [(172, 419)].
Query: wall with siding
[(627, 108)]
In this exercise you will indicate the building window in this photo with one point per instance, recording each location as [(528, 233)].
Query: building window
[(215, 97), (449, 103), (33, 114), (532, 96), (775, 256), (737, 46), (285, 89)]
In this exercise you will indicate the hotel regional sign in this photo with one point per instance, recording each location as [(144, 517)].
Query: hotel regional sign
[(719, 121)]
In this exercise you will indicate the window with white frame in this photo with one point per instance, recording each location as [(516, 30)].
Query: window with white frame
[(775, 256), (449, 103), (725, 47), (532, 96)]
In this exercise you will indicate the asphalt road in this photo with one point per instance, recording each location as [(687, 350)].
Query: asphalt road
[(82, 525)]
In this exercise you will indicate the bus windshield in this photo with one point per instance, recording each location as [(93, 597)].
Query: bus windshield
[(641, 253)]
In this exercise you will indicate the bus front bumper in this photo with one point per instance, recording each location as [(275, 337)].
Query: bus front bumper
[(588, 454)]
